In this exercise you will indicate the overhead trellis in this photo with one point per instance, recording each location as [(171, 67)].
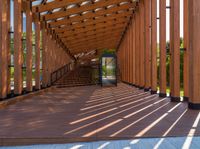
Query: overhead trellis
[(85, 25)]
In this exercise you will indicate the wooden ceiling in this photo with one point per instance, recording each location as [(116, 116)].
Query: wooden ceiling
[(86, 25)]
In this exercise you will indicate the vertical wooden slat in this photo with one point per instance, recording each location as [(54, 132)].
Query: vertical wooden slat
[(137, 46), (153, 46), (28, 46), (194, 52), (8, 48), (162, 80), (3, 49), (44, 56), (18, 47), (175, 50), (133, 54), (147, 46), (141, 49), (37, 55), (186, 53)]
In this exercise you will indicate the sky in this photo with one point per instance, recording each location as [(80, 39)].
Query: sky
[(167, 25)]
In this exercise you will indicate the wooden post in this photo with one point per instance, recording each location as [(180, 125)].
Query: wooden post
[(37, 55), (18, 84), (186, 53), (8, 48), (28, 47), (194, 52), (147, 46), (153, 46), (133, 54), (44, 56), (3, 49), (162, 80), (175, 50), (141, 49), (137, 46)]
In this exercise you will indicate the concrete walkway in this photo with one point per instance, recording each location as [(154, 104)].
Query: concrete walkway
[(92, 113)]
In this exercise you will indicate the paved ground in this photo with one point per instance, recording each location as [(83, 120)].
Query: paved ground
[(93, 113)]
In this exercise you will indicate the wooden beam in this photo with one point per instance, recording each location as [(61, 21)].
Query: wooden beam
[(153, 46), (175, 50), (29, 52), (194, 52), (162, 81), (186, 53), (18, 84), (3, 48), (37, 55)]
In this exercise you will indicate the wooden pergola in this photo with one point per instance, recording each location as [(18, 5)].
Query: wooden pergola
[(66, 28)]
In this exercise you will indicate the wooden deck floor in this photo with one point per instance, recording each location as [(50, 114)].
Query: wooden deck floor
[(88, 113)]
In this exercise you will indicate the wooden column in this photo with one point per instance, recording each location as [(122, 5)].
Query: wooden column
[(162, 80), (28, 46), (8, 48), (133, 54), (44, 56), (129, 55), (153, 46), (137, 46), (37, 55), (3, 49), (18, 84), (194, 53), (147, 46), (186, 53), (142, 47), (175, 50)]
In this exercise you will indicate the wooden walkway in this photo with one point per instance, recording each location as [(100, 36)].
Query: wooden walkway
[(89, 113)]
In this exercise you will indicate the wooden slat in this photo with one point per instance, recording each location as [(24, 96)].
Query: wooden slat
[(186, 53), (153, 46), (3, 49), (147, 45), (175, 50), (18, 47), (142, 65), (137, 45), (28, 47), (194, 63), (44, 58), (133, 50), (37, 55), (8, 49), (162, 80)]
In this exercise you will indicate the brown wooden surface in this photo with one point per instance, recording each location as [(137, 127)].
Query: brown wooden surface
[(147, 4), (186, 52), (29, 51), (142, 47), (154, 45), (18, 47), (175, 48), (162, 81), (92, 112), (194, 35), (3, 48)]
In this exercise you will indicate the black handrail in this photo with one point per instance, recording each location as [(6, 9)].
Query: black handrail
[(59, 73)]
